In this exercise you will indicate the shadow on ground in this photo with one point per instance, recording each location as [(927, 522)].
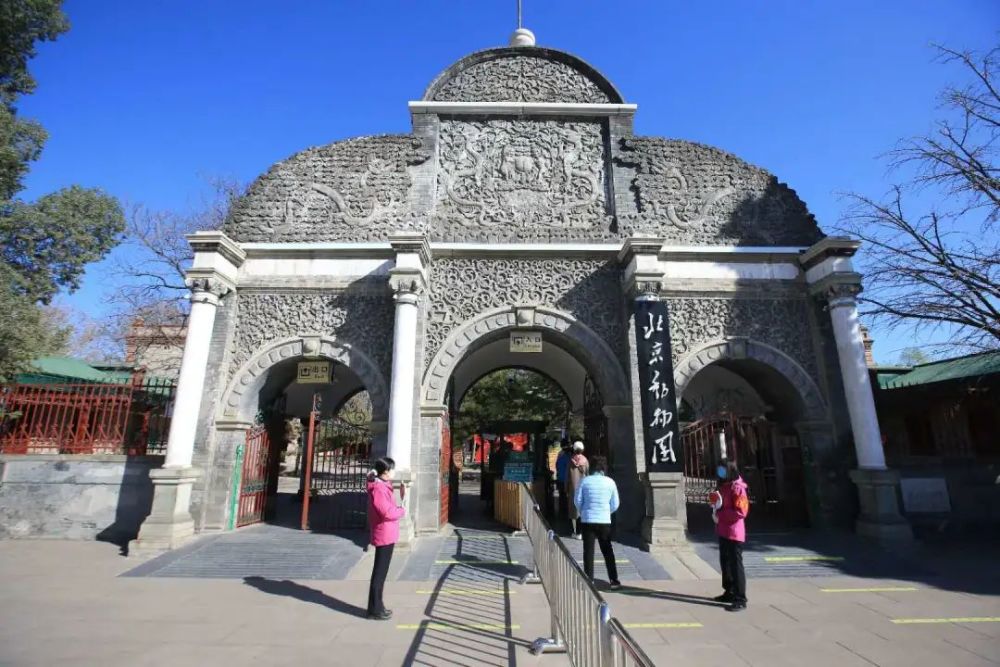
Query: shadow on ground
[(286, 588)]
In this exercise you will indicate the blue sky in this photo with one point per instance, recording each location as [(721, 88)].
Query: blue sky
[(147, 99)]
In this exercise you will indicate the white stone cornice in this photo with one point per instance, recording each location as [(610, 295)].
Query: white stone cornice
[(522, 108), (831, 246), (217, 242)]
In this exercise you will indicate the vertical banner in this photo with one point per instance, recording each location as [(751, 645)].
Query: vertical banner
[(660, 431)]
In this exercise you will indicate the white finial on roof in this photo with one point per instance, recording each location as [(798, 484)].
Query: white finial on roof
[(522, 36)]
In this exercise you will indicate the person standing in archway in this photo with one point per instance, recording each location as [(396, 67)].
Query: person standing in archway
[(562, 471), (597, 499), (383, 519), (730, 506), (579, 467)]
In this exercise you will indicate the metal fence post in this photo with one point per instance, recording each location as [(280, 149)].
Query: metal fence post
[(607, 650), (235, 494)]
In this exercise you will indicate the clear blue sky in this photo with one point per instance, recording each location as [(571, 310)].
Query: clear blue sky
[(146, 99)]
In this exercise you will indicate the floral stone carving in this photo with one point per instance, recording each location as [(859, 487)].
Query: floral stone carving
[(781, 323), (690, 193), (507, 176), (521, 78), (462, 289), (363, 321), (331, 193)]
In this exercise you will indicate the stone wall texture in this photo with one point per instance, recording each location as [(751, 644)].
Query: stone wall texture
[(81, 499)]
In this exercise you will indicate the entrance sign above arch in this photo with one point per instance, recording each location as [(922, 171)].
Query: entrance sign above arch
[(566, 331), (239, 398)]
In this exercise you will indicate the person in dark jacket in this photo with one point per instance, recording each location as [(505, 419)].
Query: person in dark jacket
[(562, 471), (730, 507)]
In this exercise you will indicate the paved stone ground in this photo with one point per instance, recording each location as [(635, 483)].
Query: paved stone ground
[(66, 603)]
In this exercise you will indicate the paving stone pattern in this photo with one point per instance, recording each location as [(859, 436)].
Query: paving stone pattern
[(261, 551)]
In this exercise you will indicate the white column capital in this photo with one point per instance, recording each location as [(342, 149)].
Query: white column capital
[(207, 286), (407, 284)]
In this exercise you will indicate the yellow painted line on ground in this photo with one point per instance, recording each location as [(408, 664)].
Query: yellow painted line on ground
[(883, 589), (437, 625), (645, 626), (476, 562), (963, 619), (467, 592), (796, 559)]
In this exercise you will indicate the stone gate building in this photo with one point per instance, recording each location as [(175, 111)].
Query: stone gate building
[(522, 200)]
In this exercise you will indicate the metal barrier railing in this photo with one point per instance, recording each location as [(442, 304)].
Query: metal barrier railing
[(582, 625)]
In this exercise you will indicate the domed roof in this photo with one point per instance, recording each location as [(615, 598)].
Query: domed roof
[(522, 74)]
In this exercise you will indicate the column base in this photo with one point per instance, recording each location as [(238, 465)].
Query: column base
[(880, 518), (169, 524), (665, 525)]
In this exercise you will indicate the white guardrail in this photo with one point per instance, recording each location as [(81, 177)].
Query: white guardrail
[(582, 625)]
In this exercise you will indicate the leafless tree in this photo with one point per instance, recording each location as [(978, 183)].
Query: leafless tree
[(937, 266), (151, 297)]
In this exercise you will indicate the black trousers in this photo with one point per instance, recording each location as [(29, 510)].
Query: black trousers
[(563, 500), (734, 579), (383, 556), (602, 533)]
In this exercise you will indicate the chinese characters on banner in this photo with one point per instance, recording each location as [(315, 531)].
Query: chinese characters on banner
[(656, 383)]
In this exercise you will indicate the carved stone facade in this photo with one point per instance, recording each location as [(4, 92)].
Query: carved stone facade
[(461, 289), (530, 76), (361, 320), (518, 179), (780, 323), (332, 193), (690, 193)]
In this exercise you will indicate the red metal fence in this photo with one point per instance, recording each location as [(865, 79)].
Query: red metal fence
[(94, 418), (257, 459)]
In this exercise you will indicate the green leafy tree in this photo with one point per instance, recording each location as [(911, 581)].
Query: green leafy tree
[(44, 245), (511, 395)]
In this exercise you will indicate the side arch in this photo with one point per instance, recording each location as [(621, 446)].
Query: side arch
[(736, 349), (575, 337), (250, 378)]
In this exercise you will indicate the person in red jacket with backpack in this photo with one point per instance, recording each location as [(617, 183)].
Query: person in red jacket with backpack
[(730, 506), (383, 519)]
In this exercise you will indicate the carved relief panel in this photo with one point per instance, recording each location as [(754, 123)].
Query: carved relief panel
[(504, 179), (463, 288)]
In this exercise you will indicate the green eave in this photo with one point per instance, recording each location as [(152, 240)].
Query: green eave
[(64, 369), (972, 366)]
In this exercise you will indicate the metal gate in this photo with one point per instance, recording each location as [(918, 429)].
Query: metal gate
[(254, 474), (338, 460), (595, 422), (770, 462), (445, 468)]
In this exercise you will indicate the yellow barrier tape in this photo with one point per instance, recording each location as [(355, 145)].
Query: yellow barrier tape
[(963, 619), (793, 559)]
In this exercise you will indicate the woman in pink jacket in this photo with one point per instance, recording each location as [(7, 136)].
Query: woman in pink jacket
[(730, 508), (383, 519)]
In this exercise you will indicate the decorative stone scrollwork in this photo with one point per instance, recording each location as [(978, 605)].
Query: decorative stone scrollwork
[(207, 288), (332, 193), (364, 321), (841, 293), (779, 323), (520, 78), (249, 377), (504, 177), (743, 348), (461, 289), (691, 193)]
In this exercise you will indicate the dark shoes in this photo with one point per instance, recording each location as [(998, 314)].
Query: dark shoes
[(725, 597), (384, 616), (615, 585), (737, 606)]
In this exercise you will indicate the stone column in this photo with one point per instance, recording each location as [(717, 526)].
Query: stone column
[(408, 279), (831, 276), (665, 523), (212, 276)]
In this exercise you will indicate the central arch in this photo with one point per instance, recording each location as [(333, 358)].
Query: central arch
[(567, 332)]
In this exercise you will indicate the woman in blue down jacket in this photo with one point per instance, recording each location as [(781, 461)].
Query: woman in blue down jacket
[(597, 499)]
